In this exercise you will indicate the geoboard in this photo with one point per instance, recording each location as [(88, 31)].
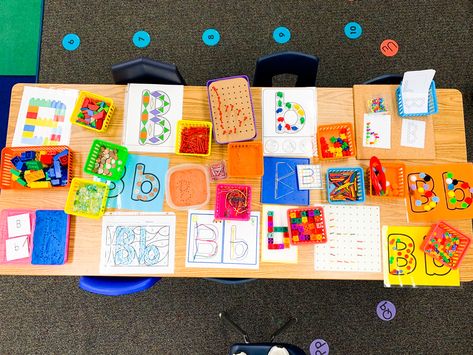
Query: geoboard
[(231, 108), (289, 122), (152, 112), (353, 241)]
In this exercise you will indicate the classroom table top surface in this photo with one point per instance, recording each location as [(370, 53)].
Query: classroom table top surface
[(334, 105)]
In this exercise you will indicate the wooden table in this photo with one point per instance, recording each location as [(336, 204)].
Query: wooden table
[(334, 105)]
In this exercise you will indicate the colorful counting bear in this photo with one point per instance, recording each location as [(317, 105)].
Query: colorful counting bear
[(335, 141), (307, 225), (41, 169), (446, 244), (92, 111), (286, 240)]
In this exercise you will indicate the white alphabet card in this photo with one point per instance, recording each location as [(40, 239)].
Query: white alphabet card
[(222, 244), (377, 131), (289, 122), (152, 112)]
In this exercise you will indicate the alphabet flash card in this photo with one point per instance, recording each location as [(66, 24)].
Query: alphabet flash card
[(289, 122), (439, 192)]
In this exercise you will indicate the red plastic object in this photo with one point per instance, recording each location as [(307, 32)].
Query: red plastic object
[(306, 225), (446, 244), (335, 141), (233, 202)]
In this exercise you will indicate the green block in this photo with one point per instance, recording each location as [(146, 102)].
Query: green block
[(280, 229), (270, 213), (15, 172), (34, 165), (21, 181)]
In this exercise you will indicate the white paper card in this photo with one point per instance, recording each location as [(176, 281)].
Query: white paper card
[(413, 133), (377, 131), (152, 112), (19, 225), (17, 248), (138, 243), (286, 255), (222, 244), (44, 116), (309, 177), (415, 90), (353, 240), (289, 122)]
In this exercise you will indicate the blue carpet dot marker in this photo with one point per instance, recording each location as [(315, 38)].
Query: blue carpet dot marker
[(386, 310), (71, 42), (281, 35), (141, 39), (353, 30), (211, 37), (319, 347)]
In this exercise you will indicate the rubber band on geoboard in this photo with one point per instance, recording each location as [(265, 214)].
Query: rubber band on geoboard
[(231, 109), (233, 202)]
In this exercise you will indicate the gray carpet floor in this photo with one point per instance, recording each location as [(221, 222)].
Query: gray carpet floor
[(179, 316)]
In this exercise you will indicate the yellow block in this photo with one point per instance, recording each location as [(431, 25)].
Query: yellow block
[(28, 134), (39, 184)]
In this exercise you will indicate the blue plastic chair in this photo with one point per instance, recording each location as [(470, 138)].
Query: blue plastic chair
[(304, 66), (146, 71), (230, 281), (386, 79), (116, 286)]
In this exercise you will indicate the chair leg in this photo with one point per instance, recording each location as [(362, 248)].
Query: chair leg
[(282, 328), (226, 318)]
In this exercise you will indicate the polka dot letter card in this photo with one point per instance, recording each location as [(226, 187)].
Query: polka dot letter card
[(289, 122), (231, 108), (142, 186), (405, 264), (151, 116), (438, 192)]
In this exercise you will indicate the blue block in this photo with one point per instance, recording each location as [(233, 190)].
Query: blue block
[(59, 155), (57, 169), (55, 182), (28, 155), (19, 165), (51, 172), (279, 182), (50, 238)]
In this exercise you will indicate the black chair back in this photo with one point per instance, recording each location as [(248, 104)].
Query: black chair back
[(304, 66), (146, 71)]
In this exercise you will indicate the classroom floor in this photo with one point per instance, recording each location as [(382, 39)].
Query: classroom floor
[(180, 316)]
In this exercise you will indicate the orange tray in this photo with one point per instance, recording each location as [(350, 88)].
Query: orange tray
[(245, 159), (9, 153)]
